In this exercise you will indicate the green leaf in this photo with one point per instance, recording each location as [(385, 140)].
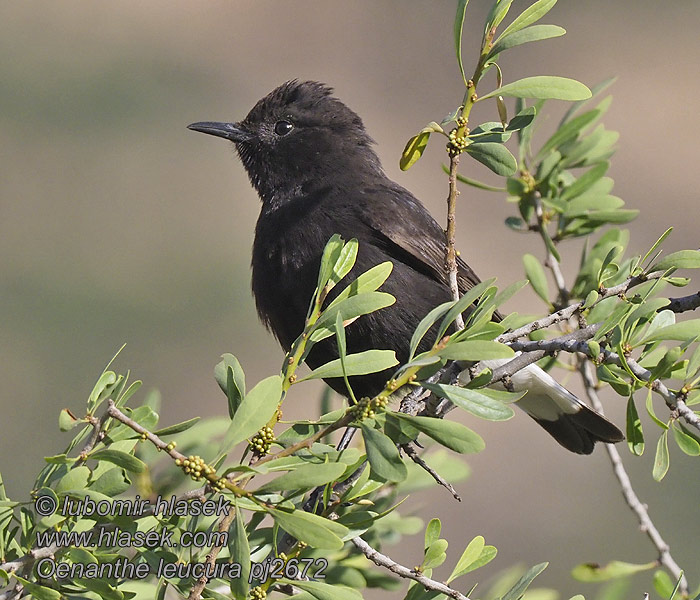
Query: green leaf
[(352, 307), (111, 483), (316, 531), (475, 350), (592, 573), (495, 156), (635, 435), (229, 371), (435, 555), (530, 34), (256, 410), (369, 281), (323, 591), (663, 584), (121, 459), (306, 476), (657, 243), (75, 479), (474, 183), (538, 279), (177, 428), (566, 132), (414, 150), (584, 183), (517, 591), (477, 402), (362, 363), (107, 379), (39, 592), (523, 119), (543, 87), (454, 436), (461, 305), (686, 443), (685, 330), (382, 454), (331, 253), (684, 259), (498, 12), (661, 460), (345, 261), (458, 27), (530, 15), (66, 421), (426, 323), (432, 532), (470, 555)]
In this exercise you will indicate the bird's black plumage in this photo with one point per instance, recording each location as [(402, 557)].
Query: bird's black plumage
[(312, 164)]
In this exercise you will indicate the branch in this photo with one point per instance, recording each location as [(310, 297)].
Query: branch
[(638, 508), (381, 560), (550, 260), (415, 457), (685, 303)]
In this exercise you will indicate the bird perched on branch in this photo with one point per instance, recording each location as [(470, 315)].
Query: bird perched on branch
[(312, 164)]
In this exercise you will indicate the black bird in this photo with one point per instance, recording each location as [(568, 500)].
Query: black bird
[(312, 164)]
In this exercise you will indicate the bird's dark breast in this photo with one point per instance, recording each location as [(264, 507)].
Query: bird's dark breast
[(287, 252)]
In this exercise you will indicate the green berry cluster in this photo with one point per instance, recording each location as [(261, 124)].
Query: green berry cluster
[(457, 144), (195, 467), (257, 593), (366, 408), (262, 441)]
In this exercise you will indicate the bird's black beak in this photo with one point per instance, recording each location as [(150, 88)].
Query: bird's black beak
[(230, 131)]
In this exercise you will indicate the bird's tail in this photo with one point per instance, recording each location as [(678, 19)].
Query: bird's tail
[(568, 420)]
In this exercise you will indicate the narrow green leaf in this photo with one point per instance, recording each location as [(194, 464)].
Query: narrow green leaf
[(316, 531), (498, 12), (426, 323), (584, 183), (461, 305), (592, 573), (471, 553), (454, 436), (354, 306), (39, 592), (537, 277), (306, 476), (382, 454), (686, 443), (663, 584), (331, 253), (517, 591), (567, 132), (543, 87), (121, 459), (178, 428), (495, 156), (369, 281), (635, 435), (477, 402), (661, 460), (370, 361), (685, 330), (475, 350), (256, 410), (523, 119), (529, 16), (345, 262), (458, 27), (413, 151), (524, 36), (657, 243), (474, 183), (684, 259)]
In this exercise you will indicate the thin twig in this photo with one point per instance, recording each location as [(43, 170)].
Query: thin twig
[(224, 524), (381, 560), (450, 253), (640, 510), (550, 260), (415, 457)]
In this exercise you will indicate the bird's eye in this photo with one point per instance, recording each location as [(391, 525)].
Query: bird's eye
[(283, 127)]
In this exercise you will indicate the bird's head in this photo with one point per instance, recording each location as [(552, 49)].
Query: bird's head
[(294, 137)]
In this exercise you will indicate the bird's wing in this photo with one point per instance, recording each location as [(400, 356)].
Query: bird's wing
[(408, 233)]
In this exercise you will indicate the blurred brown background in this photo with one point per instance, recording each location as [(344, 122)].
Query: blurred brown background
[(117, 224)]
